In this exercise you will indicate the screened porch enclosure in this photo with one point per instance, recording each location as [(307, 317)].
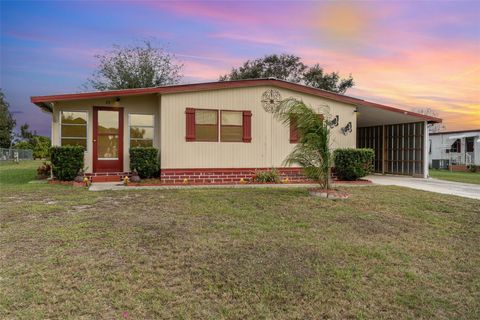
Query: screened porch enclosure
[(399, 148)]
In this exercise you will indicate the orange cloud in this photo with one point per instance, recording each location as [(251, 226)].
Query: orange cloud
[(442, 76), (342, 21)]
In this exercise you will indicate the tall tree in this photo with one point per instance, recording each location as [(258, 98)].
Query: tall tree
[(285, 67), (317, 78), (433, 127), (7, 123), (25, 133), (290, 68), (131, 67)]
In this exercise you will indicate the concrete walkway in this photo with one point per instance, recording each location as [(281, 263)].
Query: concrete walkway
[(434, 185)]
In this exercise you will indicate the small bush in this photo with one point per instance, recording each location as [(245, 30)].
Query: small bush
[(41, 147), (43, 171), (23, 145), (67, 161), (352, 164), (267, 176), (472, 168), (145, 161)]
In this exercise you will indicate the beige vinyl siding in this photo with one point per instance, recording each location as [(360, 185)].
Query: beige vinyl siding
[(270, 138), (145, 104)]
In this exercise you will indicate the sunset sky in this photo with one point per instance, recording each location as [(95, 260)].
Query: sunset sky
[(402, 53)]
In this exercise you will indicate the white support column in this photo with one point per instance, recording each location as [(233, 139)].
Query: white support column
[(425, 149)]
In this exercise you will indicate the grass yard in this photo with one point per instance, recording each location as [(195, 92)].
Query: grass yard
[(465, 177), (387, 252)]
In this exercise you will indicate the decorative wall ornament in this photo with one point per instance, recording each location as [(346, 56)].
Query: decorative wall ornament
[(271, 100), (347, 129), (333, 122)]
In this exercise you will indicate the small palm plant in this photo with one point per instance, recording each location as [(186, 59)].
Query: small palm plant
[(312, 152)]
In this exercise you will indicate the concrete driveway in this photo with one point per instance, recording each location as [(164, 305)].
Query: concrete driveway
[(434, 185)]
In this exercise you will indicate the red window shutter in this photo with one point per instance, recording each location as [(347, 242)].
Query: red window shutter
[(293, 130), (190, 124), (247, 126)]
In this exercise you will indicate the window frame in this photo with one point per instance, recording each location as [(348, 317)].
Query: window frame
[(293, 129), (211, 125), (87, 126), (469, 141), (129, 124), (234, 126)]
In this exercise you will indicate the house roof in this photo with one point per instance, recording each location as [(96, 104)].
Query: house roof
[(44, 101), (456, 131)]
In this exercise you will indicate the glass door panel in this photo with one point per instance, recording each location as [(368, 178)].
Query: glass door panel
[(107, 147), (108, 126), (108, 139)]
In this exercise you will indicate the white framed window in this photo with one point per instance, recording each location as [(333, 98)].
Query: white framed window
[(142, 130), (73, 128)]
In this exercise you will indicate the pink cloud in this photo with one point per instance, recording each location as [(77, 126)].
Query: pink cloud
[(264, 14), (266, 39)]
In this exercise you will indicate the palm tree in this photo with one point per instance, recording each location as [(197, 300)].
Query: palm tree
[(312, 152)]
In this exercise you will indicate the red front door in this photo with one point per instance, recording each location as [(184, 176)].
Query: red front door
[(107, 139)]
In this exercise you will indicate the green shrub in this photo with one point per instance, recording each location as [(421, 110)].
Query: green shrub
[(145, 161), (352, 164), (267, 176), (67, 161), (472, 168), (41, 147), (23, 145)]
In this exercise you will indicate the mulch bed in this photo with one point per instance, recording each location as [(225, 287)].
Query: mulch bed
[(328, 193)]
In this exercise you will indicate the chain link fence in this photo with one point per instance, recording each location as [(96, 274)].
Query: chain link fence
[(15, 154)]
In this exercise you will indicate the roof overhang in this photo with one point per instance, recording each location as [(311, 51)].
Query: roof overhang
[(41, 101), (466, 135), (370, 116), (45, 106), (471, 131)]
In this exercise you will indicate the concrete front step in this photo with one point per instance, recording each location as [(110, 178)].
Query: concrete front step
[(107, 176)]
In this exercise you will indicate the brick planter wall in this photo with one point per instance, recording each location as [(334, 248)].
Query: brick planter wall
[(458, 168), (228, 176)]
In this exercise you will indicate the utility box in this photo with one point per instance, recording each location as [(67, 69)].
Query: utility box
[(440, 164)]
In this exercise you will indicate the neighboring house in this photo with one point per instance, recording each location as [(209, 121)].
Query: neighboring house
[(225, 129), (454, 148)]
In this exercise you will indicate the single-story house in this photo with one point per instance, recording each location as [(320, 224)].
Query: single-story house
[(226, 129), (454, 149)]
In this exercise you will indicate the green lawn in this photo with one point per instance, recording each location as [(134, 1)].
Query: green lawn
[(466, 177), (387, 252)]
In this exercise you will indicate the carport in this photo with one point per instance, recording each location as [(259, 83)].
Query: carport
[(399, 138)]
